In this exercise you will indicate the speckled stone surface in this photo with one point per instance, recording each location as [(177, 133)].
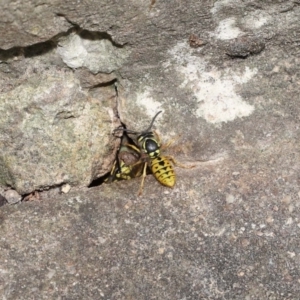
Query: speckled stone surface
[(230, 227)]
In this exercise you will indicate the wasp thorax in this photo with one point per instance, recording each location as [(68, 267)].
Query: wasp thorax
[(149, 145), (152, 148)]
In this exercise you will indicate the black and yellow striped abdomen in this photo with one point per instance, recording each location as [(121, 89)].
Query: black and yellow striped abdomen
[(163, 171)]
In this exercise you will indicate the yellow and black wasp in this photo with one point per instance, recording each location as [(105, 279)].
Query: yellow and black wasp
[(125, 166), (148, 147)]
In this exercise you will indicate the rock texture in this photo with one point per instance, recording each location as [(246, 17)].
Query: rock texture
[(53, 133), (226, 76)]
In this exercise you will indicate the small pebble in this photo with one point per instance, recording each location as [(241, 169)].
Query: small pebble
[(12, 196), (245, 45), (65, 188)]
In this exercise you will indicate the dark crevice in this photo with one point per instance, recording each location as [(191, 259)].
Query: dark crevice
[(3, 200), (98, 35), (91, 35), (42, 48), (39, 49), (99, 180), (38, 194), (10, 53), (104, 84), (68, 20), (105, 178)]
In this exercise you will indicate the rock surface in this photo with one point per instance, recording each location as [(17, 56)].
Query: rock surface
[(229, 229), (53, 133)]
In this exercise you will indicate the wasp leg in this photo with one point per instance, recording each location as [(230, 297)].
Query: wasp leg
[(112, 174), (143, 179), (133, 147), (170, 142), (157, 136), (176, 163)]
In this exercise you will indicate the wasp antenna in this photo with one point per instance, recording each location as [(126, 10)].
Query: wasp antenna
[(119, 129), (131, 131), (152, 121), (126, 130), (135, 132)]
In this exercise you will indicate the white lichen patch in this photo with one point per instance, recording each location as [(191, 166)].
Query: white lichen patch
[(227, 30), (213, 89), (146, 100), (218, 101), (256, 20)]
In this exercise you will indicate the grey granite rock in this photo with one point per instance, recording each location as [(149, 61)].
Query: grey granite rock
[(230, 227)]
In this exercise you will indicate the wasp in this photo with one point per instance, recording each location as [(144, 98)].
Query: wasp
[(125, 166), (124, 171), (148, 146)]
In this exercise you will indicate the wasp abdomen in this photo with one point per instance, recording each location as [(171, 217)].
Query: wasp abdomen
[(163, 171)]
